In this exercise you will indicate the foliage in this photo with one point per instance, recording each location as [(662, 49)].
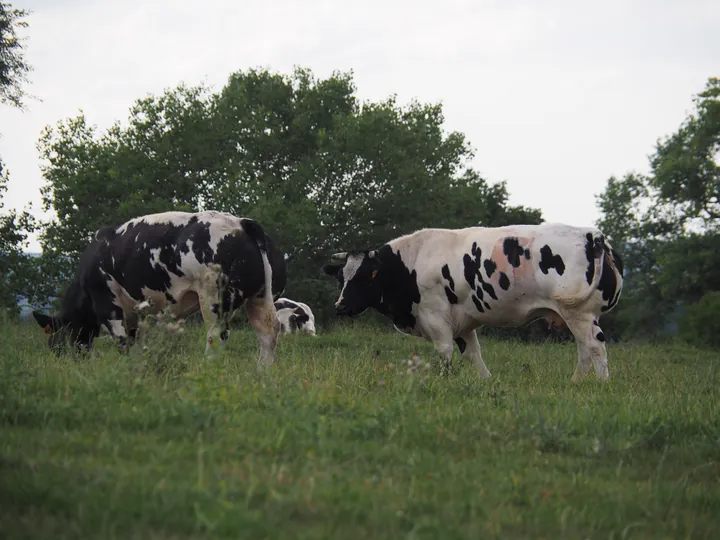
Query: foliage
[(665, 224), (13, 67), (340, 439), (700, 325), (18, 271), (321, 171)]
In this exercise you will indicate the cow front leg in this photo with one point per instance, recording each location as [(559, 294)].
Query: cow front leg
[(114, 324), (444, 348), (591, 347), (469, 346), (263, 318)]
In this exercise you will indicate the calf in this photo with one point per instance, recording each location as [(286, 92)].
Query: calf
[(442, 284), (294, 316), (207, 261)]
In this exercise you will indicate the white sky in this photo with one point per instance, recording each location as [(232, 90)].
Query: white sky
[(555, 96)]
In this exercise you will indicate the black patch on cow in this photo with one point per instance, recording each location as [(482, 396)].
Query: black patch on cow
[(489, 289), (595, 323), (590, 256), (399, 289), (548, 261), (513, 251), (527, 254), (471, 266), (490, 267), (301, 317), (487, 306), (285, 304), (446, 274), (105, 233), (478, 304), (608, 282), (169, 298), (461, 343), (504, 281), (600, 336), (451, 296), (450, 288), (618, 261)]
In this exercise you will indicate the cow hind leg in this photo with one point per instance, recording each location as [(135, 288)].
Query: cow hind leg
[(590, 345), (470, 347), (215, 318), (263, 318)]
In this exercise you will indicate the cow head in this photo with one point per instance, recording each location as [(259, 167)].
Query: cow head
[(62, 331), (357, 274)]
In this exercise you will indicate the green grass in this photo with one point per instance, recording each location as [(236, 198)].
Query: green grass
[(333, 442)]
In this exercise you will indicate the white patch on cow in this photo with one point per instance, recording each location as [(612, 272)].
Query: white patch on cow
[(117, 328), (349, 270)]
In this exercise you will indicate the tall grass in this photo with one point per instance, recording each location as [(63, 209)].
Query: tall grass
[(341, 439)]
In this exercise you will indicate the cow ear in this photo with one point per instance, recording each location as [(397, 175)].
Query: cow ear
[(332, 269), (45, 321), (339, 257)]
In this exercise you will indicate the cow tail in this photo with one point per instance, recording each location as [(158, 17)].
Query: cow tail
[(573, 300), (255, 232)]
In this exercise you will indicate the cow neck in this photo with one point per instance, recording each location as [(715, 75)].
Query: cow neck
[(398, 288), (76, 306)]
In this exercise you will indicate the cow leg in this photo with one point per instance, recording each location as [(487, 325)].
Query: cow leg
[(216, 320), (263, 318), (591, 347), (470, 347), (114, 323)]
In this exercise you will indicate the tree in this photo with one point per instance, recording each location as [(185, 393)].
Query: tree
[(13, 67), (665, 224), (685, 170), (17, 271), (320, 170)]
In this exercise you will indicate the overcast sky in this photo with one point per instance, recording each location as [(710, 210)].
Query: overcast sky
[(555, 96)]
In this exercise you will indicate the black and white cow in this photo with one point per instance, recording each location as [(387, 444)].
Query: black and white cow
[(208, 261), (441, 284), (294, 316)]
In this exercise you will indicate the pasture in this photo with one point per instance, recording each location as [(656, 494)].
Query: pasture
[(337, 440)]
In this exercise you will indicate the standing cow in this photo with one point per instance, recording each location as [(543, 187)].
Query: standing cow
[(442, 284), (208, 261), (294, 316)]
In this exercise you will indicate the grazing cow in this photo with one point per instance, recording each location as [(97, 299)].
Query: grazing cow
[(207, 261), (294, 316), (441, 284)]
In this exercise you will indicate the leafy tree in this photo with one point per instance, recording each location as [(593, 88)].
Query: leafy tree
[(665, 224), (320, 170), (700, 325), (13, 67), (685, 170), (17, 272)]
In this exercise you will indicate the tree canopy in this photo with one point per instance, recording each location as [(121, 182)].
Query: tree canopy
[(667, 224), (13, 67), (319, 169)]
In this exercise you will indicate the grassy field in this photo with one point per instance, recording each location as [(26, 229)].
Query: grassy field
[(338, 441)]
